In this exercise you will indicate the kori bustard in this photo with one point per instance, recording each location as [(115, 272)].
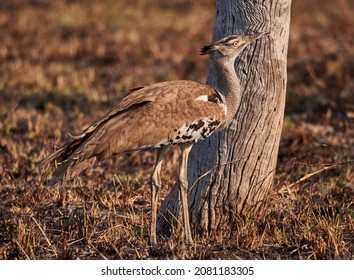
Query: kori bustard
[(157, 116)]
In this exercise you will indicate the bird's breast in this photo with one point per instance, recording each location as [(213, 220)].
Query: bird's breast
[(191, 132)]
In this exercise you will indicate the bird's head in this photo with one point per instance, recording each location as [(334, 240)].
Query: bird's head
[(230, 46)]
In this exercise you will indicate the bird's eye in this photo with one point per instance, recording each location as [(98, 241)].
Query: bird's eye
[(234, 44)]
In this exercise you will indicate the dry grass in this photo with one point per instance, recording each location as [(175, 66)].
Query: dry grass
[(64, 64)]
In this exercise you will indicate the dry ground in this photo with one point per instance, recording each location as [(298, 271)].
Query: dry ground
[(64, 63)]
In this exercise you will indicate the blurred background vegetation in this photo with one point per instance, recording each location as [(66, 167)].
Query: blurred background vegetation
[(65, 63)]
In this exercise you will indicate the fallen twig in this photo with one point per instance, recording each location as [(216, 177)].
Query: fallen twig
[(327, 166)]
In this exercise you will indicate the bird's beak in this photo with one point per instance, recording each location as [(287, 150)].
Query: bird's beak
[(258, 35)]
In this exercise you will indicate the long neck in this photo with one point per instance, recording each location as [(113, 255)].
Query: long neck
[(228, 84)]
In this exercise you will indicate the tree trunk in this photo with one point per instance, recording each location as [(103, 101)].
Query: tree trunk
[(237, 165)]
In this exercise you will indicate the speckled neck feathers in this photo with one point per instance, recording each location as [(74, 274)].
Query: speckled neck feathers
[(227, 83)]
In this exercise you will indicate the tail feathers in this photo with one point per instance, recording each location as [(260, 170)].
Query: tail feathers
[(57, 156), (68, 160), (69, 169), (97, 142)]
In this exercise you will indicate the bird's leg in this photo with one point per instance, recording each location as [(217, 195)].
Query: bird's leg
[(155, 187), (183, 188)]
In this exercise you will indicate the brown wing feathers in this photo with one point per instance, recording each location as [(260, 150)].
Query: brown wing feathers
[(144, 118), (81, 152)]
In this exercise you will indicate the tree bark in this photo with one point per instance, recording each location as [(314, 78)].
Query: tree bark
[(237, 165)]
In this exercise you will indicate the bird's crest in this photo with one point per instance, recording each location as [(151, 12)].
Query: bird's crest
[(212, 47), (237, 41)]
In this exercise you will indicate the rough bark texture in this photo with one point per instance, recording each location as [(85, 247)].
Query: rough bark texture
[(238, 163)]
